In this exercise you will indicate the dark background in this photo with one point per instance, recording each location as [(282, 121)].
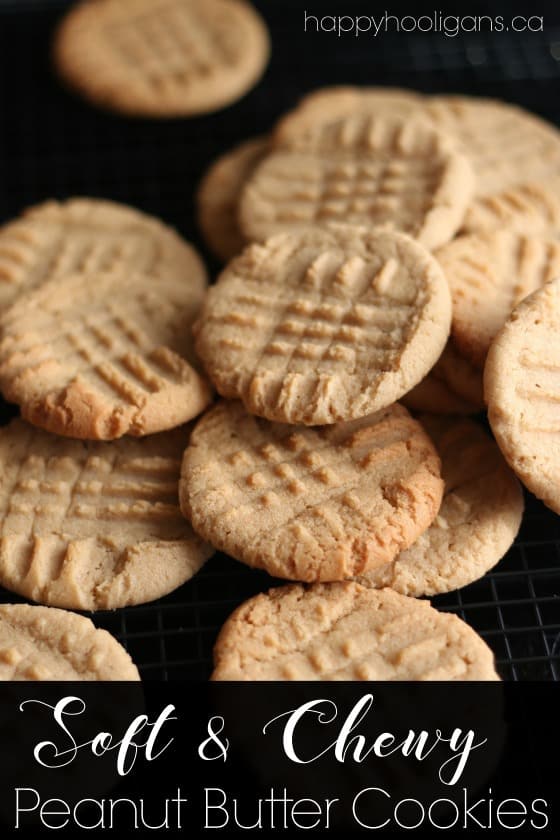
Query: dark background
[(54, 145)]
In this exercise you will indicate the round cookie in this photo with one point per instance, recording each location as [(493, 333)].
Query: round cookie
[(504, 144), (162, 58), (489, 274), (42, 643), (219, 193), (90, 526), (100, 356), (363, 170), (477, 523), (327, 105), (85, 235), (308, 504), (326, 325), (343, 631), (531, 209), (522, 389)]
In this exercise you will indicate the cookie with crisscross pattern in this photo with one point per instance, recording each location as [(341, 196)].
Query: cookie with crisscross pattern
[(102, 355), (42, 643), (162, 57), (342, 631), (324, 325), (89, 525), (365, 170), (86, 235), (310, 504)]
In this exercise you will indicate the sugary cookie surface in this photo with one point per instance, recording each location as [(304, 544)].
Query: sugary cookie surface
[(367, 169), (306, 504), (92, 525), (103, 355), (345, 632), (326, 325)]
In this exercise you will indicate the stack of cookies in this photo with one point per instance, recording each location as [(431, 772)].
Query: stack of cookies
[(376, 245), (393, 234), (98, 302)]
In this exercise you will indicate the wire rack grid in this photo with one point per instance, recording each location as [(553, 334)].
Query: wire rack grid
[(54, 145)]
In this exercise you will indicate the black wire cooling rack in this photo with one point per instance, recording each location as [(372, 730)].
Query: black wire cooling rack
[(54, 145)]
